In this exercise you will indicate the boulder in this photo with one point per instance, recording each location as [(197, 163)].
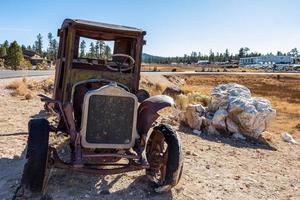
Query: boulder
[(193, 116), (232, 109), (238, 136), (225, 93), (218, 120), (245, 114)]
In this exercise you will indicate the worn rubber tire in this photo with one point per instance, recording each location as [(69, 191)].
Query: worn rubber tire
[(174, 165), (37, 155)]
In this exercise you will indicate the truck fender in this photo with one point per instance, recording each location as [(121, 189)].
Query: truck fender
[(147, 111)]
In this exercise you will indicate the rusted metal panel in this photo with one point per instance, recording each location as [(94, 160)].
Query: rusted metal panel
[(102, 26), (79, 75), (110, 120), (147, 111)]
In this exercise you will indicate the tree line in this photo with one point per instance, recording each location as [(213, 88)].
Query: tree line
[(12, 57), (97, 50), (226, 56)]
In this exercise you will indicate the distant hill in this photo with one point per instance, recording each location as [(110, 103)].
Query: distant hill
[(151, 58)]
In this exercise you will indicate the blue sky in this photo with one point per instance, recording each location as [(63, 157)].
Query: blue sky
[(174, 27)]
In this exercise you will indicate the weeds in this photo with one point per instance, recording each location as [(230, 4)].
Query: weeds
[(183, 100), (20, 88), (27, 88), (158, 87), (298, 127)]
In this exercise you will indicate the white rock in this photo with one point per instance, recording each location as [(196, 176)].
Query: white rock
[(212, 130), (238, 136), (192, 117), (219, 118), (288, 138), (232, 109), (246, 115), (199, 109), (197, 132), (231, 126), (206, 122), (222, 94)]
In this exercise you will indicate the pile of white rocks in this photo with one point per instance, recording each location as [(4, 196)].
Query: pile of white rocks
[(233, 110)]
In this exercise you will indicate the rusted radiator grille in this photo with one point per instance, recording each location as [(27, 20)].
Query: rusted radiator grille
[(110, 119)]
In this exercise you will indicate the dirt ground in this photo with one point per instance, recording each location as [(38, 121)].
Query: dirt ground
[(215, 167)]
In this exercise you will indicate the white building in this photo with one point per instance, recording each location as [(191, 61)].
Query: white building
[(202, 62), (269, 59)]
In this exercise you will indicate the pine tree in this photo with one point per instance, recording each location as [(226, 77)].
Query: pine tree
[(241, 53), (226, 55), (92, 53), (294, 52), (102, 49), (33, 48), (82, 49), (50, 47), (23, 47), (39, 44), (55, 48), (246, 49), (97, 49), (5, 44), (2, 52), (107, 52), (211, 57), (3, 49), (14, 56), (193, 57)]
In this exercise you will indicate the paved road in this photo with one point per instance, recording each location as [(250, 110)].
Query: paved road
[(25, 73)]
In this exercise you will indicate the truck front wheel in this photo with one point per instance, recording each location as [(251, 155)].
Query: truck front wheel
[(35, 169), (164, 154)]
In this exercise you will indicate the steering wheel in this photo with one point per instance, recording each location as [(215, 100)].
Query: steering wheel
[(122, 65)]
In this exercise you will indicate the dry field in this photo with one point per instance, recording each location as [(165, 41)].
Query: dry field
[(215, 167), (193, 67)]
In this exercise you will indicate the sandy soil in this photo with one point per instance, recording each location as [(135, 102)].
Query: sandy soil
[(215, 167)]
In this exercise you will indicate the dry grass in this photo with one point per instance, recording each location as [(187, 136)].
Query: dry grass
[(16, 84), (20, 88), (158, 87), (298, 126), (28, 88), (183, 100), (152, 88), (45, 85)]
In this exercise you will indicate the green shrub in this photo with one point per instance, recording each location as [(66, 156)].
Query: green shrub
[(25, 64), (1, 63), (42, 66)]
